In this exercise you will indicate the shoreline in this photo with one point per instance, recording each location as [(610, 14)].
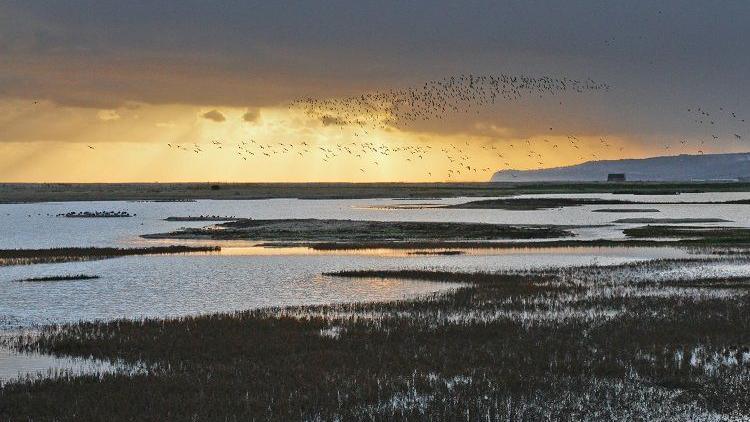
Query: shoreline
[(16, 193)]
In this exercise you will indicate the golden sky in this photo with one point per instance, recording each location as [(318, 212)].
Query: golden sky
[(132, 143)]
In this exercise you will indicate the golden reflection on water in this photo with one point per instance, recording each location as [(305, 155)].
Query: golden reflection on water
[(416, 252)]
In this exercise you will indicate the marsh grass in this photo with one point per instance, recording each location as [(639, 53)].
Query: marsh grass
[(530, 204), (593, 343), (58, 278), (669, 220), (96, 214), (286, 230), (208, 218), (438, 252), (627, 210), (713, 234), (37, 256)]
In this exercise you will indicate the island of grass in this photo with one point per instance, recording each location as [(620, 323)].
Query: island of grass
[(96, 214), (626, 210), (529, 204), (207, 218), (38, 256), (438, 252), (315, 230), (58, 278), (708, 234), (670, 220), (557, 345)]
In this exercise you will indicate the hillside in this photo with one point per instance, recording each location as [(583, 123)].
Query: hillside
[(668, 168)]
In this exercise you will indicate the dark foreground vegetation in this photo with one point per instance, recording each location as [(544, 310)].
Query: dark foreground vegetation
[(37, 256), (286, 230), (37, 192), (599, 343), (59, 278)]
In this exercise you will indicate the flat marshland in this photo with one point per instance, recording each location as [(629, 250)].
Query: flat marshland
[(641, 236), (285, 230), (565, 310), (591, 343)]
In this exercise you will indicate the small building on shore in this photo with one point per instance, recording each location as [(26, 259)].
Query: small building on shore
[(616, 177)]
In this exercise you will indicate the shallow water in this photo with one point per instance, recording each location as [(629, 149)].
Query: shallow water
[(36, 225), (14, 366), (243, 276), (173, 285)]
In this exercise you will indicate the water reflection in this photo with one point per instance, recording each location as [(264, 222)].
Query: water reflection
[(252, 277), (15, 366)]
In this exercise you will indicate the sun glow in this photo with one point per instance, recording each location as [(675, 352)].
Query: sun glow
[(147, 143)]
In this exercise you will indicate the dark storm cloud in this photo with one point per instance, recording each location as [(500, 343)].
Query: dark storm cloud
[(214, 115), (659, 56), (251, 116)]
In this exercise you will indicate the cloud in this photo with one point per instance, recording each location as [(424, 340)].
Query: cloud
[(107, 115), (251, 116), (214, 115), (104, 54)]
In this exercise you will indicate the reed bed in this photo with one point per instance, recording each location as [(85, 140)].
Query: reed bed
[(730, 235), (592, 343), (315, 230), (37, 256), (59, 278)]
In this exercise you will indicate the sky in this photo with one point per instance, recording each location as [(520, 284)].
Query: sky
[(112, 91)]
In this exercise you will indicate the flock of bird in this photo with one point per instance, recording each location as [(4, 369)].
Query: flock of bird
[(719, 125), (369, 112), (459, 159), (366, 114), (435, 98)]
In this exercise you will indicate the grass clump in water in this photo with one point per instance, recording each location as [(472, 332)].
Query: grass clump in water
[(60, 278), (38, 256)]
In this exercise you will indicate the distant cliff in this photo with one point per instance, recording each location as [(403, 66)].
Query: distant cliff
[(670, 168)]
